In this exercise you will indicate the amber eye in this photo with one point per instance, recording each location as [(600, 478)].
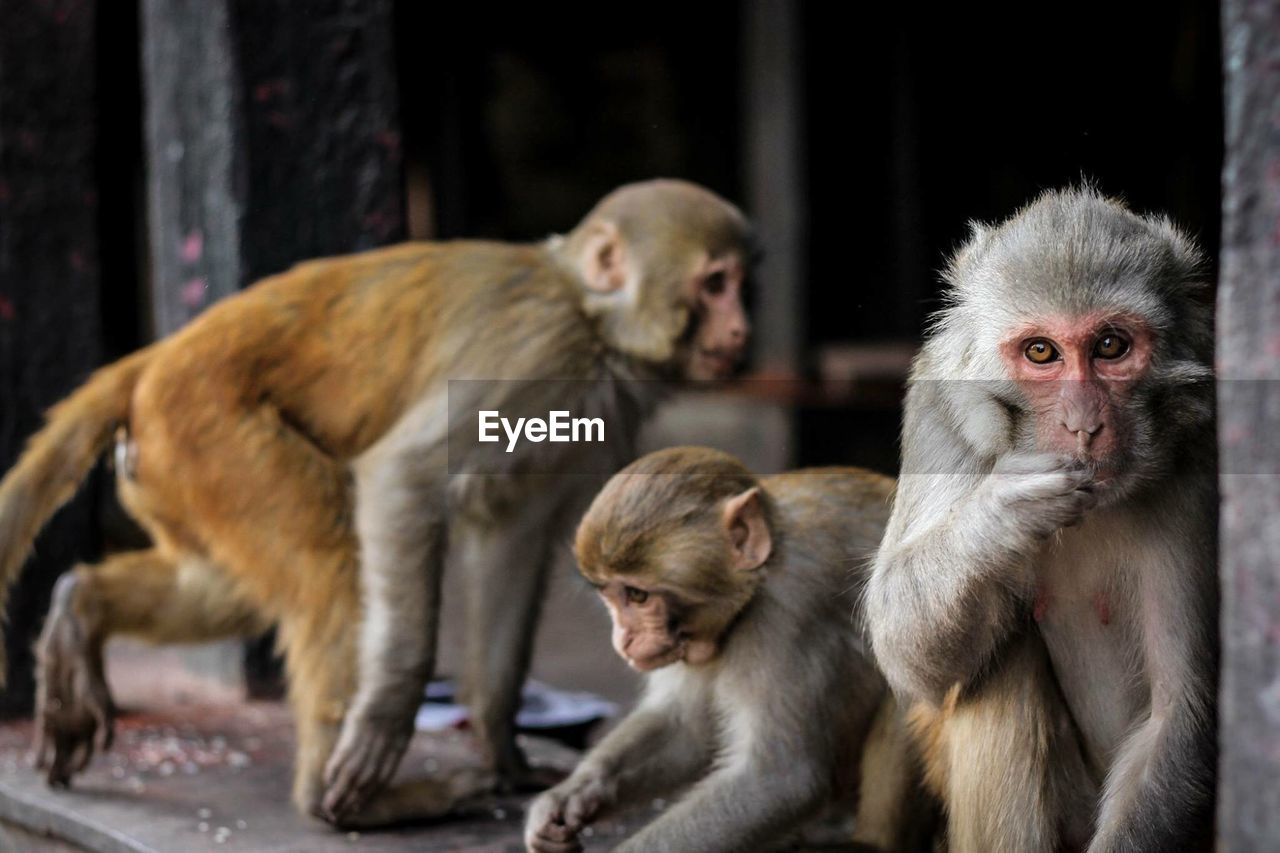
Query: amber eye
[(714, 284), (1041, 351), (636, 596), (1111, 346)]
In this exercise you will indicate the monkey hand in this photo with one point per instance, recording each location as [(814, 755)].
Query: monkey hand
[(74, 714), (557, 817), (1040, 493), (365, 758)]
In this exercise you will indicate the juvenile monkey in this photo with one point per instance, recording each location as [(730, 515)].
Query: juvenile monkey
[(738, 597), (290, 453), (1046, 588)]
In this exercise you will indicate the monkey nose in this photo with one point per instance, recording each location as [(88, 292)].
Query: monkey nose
[(1084, 437)]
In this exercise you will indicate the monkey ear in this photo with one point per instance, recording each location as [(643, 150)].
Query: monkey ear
[(603, 263), (748, 530)]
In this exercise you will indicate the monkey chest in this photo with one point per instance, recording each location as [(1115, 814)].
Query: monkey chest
[(1090, 633)]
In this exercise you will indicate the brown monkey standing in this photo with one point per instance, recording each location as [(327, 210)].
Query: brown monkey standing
[(1046, 589), (736, 595), (287, 453)]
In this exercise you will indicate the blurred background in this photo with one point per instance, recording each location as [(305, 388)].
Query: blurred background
[(158, 155)]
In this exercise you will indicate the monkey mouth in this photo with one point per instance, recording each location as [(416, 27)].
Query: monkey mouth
[(721, 361), (657, 660)]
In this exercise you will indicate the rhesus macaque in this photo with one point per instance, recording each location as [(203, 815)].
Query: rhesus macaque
[(736, 595), (1046, 589), (287, 453)]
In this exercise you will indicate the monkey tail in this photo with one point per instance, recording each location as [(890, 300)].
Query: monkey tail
[(57, 459)]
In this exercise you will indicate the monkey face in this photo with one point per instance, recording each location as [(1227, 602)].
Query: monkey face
[(719, 330), (653, 628), (1079, 375)]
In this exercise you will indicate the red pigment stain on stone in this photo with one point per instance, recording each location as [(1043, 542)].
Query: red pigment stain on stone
[(7, 311), (1041, 605), (193, 292), (1102, 605), (192, 247)]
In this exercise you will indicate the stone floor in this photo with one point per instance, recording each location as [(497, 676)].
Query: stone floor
[(191, 778), (195, 768)]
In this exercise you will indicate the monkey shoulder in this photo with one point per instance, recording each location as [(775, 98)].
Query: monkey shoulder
[(819, 505), (801, 614)]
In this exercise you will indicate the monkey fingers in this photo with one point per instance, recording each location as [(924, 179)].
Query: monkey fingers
[(362, 763), (549, 829), (545, 843), (422, 799)]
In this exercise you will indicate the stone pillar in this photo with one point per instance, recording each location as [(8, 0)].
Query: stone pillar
[(1249, 412)]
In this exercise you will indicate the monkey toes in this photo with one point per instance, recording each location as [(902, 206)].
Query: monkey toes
[(75, 715)]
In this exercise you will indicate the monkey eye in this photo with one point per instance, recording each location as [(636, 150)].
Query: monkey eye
[(635, 596), (715, 283), (1111, 346), (1040, 351)]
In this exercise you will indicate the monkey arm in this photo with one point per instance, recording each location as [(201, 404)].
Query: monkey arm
[(953, 571), (657, 752), (656, 749), (761, 792), (1159, 792), (401, 556), (939, 600)]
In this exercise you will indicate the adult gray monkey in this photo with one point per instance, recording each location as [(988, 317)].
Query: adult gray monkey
[(1046, 588)]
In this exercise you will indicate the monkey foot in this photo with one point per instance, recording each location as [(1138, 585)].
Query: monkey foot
[(75, 716)]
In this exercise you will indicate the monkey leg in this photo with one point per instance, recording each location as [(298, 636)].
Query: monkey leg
[(1005, 757), (143, 593), (505, 576), (320, 654), (893, 812), (276, 511), (320, 649)]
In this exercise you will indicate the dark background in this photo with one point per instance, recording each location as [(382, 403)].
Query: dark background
[(513, 121)]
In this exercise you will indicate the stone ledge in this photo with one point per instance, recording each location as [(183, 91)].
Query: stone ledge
[(217, 777)]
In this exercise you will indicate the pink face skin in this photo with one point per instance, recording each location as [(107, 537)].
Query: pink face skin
[(644, 633), (723, 329), (1078, 373)]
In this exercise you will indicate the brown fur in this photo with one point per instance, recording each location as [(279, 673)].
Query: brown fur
[(246, 434)]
